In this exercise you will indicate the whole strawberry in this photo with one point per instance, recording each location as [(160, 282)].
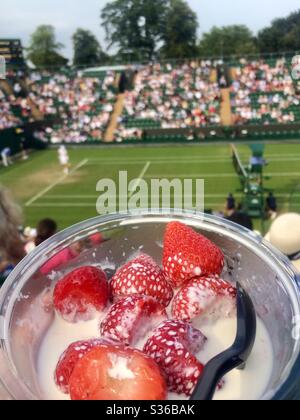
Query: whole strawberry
[(142, 276), (81, 293), (188, 254)]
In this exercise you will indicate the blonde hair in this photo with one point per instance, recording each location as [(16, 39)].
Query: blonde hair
[(11, 247)]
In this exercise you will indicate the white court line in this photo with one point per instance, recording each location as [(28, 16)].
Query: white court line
[(61, 197), (140, 177), (50, 187), (219, 175), (176, 157), (93, 162), (184, 161), (92, 205)]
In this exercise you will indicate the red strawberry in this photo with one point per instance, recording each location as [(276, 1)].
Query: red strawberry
[(188, 254), (204, 296), (81, 293), (110, 372), (132, 318), (142, 276), (68, 360), (173, 346)]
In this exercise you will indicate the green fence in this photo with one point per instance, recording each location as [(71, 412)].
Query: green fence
[(275, 132)]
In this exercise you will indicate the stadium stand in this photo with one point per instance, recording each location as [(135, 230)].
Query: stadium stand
[(171, 96), (81, 105), (8, 119), (264, 93), (169, 102)]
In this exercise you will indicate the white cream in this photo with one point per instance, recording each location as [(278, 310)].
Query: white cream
[(248, 384), (119, 368)]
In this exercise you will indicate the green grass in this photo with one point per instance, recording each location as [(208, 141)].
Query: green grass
[(72, 199)]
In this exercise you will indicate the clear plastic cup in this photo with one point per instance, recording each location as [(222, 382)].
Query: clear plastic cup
[(266, 274)]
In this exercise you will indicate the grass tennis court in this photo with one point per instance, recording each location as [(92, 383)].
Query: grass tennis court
[(44, 191)]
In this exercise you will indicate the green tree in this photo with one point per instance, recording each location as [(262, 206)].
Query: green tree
[(135, 27), (282, 35), (87, 49), (181, 31), (228, 40), (43, 50)]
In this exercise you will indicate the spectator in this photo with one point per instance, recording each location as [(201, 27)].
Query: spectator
[(271, 206), (241, 218), (230, 204), (11, 246), (45, 230), (284, 234)]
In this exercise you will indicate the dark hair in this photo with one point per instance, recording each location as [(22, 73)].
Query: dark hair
[(46, 228)]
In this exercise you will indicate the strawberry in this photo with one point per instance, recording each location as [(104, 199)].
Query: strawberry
[(142, 276), (188, 254), (111, 372), (68, 360), (81, 293), (204, 296), (173, 346), (131, 318)]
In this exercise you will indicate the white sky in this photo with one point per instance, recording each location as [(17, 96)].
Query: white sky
[(19, 18)]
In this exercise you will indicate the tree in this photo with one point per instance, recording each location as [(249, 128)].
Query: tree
[(87, 49), (43, 50), (282, 35), (228, 40), (135, 27), (181, 31)]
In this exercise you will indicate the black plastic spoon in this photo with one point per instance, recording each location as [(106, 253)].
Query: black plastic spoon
[(236, 356)]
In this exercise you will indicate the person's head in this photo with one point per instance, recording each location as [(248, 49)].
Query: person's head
[(242, 219), (45, 230), (284, 234), (11, 246)]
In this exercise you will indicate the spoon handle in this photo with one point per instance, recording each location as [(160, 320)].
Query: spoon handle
[(213, 373)]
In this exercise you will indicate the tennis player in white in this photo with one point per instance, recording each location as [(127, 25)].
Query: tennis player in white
[(64, 160)]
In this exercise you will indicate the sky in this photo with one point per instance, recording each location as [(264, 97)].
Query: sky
[(19, 18)]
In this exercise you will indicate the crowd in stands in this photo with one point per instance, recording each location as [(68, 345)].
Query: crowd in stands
[(82, 105), (264, 92), (7, 117), (172, 96), (164, 96)]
